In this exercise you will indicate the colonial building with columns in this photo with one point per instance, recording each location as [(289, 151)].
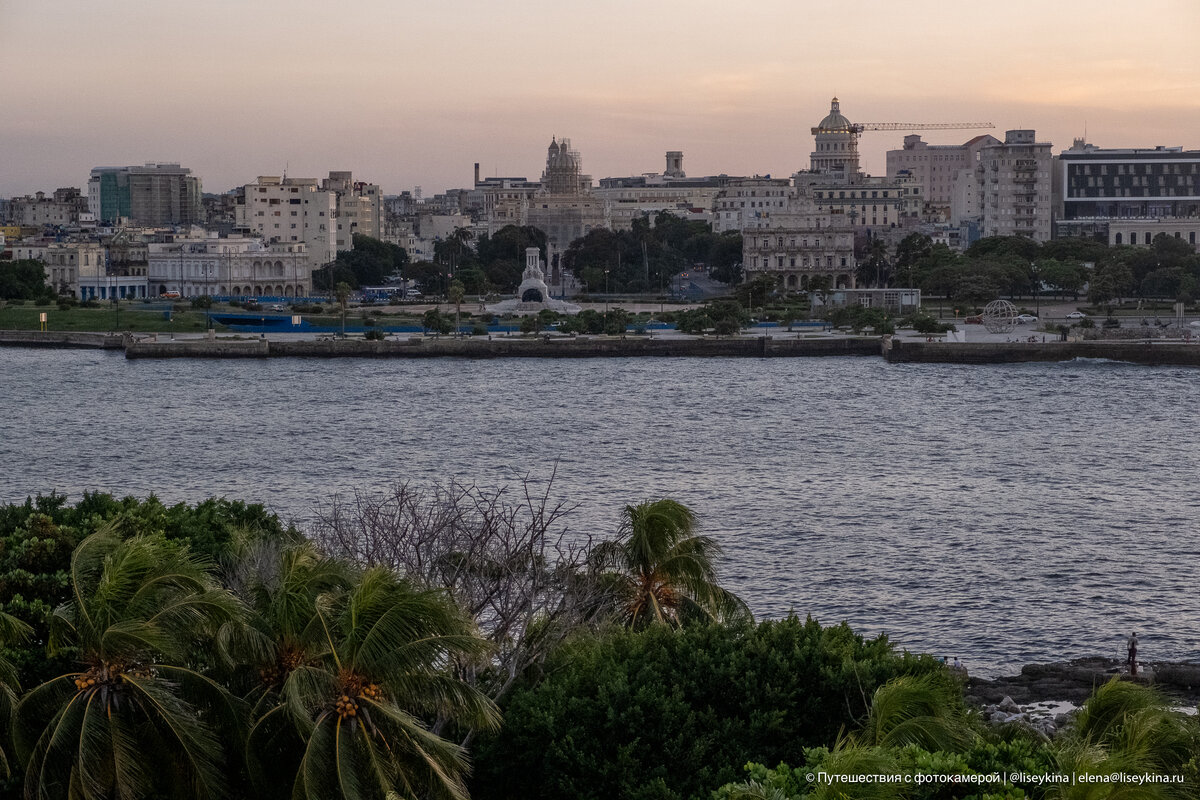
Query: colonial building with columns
[(798, 256), (229, 267)]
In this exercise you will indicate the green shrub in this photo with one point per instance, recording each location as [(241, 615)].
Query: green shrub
[(375, 334), (664, 713)]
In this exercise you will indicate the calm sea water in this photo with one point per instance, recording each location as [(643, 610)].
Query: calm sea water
[(1004, 515)]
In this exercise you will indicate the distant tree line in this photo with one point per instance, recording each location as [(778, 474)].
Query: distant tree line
[(647, 256), (1015, 266), (24, 280)]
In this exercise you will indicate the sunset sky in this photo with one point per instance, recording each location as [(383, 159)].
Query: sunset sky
[(410, 94)]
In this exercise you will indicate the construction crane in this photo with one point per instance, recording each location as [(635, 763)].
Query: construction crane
[(859, 127)]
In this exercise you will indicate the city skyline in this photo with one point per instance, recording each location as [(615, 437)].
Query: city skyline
[(406, 96)]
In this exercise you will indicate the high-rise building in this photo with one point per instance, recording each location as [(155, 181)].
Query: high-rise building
[(152, 195), (292, 210), (1014, 185)]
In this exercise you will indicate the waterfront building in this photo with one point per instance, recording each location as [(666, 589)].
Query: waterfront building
[(150, 195), (1142, 231), (895, 301), (65, 263), (1142, 189), (798, 255), (235, 266), (1014, 184), (292, 211)]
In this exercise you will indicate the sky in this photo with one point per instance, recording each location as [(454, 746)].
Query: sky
[(409, 94)]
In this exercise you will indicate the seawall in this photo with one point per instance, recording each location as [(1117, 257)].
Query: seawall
[(504, 347), (71, 339), (1142, 352)]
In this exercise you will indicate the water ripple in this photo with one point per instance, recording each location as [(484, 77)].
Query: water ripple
[(1027, 512)]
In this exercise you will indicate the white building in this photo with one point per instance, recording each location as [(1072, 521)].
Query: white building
[(1141, 232), (229, 267), (292, 211)]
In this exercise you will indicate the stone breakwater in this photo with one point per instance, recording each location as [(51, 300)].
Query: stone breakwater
[(895, 351), (502, 347), (1157, 353), (65, 339)]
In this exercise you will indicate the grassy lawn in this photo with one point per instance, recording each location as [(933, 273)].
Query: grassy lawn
[(101, 319)]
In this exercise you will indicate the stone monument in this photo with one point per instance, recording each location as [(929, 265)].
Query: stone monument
[(533, 295)]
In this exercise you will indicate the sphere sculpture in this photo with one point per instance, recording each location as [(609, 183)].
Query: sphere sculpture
[(1000, 316)]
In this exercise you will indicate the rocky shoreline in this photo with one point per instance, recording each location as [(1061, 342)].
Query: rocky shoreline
[(1043, 695)]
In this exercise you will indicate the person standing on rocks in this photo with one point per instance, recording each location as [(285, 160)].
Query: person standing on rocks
[(1133, 646)]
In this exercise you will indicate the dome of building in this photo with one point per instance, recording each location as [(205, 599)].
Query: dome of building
[(834, 121)]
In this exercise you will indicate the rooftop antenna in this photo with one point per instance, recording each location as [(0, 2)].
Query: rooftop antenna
[(285, 169)]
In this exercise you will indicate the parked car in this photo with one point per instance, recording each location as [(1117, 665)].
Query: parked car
[(1077, 315), (278, 308), (1026, 319)]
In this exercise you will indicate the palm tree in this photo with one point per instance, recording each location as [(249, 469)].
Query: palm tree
[(662, 571), (12, 631), (455, 295), (279, 584), (133, 721), (350, 720), (1126, 728), (342, 293), (924, 710)]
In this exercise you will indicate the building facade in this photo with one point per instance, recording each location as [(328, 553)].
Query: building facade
[(747, 203), (1152, 183), (292, 211), (797, 256), (229, 267), (646, 195), (1015, 186), (359, 208), (565, 208), (941, 170), (1142, 232), (151, 195), (62, 209)]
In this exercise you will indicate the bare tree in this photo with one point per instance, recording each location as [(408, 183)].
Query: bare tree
[(506, 557)]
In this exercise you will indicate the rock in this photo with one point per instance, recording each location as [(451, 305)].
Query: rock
[(1009, 706), (1061, 719)]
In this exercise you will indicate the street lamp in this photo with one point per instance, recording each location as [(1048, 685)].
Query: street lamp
[(606, 299), (1036, 285)]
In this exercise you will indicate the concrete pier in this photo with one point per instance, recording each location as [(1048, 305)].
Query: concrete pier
[(505, 347), (1147, 352)]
